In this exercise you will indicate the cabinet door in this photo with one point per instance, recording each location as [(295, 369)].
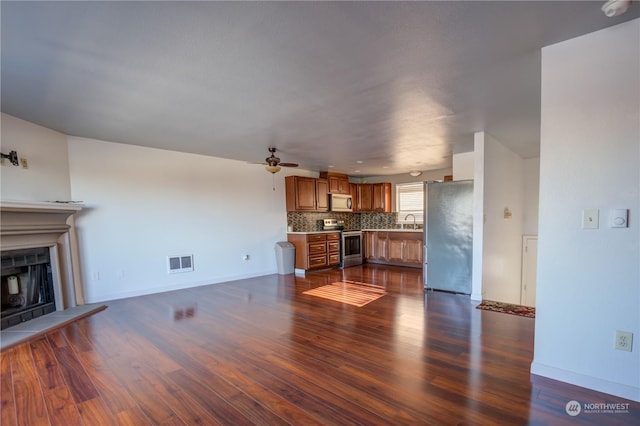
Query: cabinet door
[(300, 193), (381, 197), (370, 245), (353, 190), (322, 195), (382, 246), (396, 249), (413, 251), (338, 185), (365, 197)]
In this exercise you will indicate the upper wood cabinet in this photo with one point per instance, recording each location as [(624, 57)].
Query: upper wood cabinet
[(373, 197), (338, 182), (365, 197), (306, 194), (322, 195), (382, 197)]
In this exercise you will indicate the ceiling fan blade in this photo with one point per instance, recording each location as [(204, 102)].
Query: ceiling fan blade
[(288, 165)]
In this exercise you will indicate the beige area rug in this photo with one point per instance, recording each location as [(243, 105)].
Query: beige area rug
[(349, 292)]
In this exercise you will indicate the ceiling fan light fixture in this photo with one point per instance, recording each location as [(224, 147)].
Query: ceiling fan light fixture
[(615, 7), (273, 169)]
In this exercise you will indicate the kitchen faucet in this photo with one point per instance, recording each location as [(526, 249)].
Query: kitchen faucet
[(414, 219)]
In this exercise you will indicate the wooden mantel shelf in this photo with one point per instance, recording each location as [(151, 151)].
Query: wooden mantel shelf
[(39, 206), (25, 217)]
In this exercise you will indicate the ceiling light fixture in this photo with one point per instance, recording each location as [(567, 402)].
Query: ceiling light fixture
[(615, 7), (273, 169), (415, 173)]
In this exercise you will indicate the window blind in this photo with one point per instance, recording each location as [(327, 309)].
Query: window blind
[(410, 200)]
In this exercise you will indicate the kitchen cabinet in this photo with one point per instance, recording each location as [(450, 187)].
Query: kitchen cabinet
[(394, 248), (365, 197), (322, 195), (338, 182), (306, 194), (381, 197), (316, 250), (353, 190), (373, 197)]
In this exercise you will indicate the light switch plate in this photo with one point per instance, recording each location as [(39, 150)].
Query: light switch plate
[(619, 218), (590, 219)]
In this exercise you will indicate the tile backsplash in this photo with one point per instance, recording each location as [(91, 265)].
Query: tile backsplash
[(309, 222)]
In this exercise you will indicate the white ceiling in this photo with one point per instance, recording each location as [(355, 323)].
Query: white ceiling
[(395, 85)]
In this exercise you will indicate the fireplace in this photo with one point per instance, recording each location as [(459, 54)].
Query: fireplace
[(27, 286), (40, 270)]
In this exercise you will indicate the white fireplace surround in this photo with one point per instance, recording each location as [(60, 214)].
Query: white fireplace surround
[(25, 224)]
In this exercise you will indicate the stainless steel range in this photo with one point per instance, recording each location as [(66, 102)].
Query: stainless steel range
[(351, 248), (351, 242)]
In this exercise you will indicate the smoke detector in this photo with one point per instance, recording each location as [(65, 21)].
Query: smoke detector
[(615, 7)]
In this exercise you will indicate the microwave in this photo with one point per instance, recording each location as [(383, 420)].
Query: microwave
[(340, 203)]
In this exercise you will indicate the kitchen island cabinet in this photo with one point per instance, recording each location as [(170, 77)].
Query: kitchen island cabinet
[(315, 250), (394, 247)]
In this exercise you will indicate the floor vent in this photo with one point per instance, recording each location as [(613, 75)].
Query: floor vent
[(177, 264)]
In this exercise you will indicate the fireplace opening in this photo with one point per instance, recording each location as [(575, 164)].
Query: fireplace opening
[(27, 285)]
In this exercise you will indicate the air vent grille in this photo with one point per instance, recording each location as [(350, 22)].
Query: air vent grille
[(177, 264)]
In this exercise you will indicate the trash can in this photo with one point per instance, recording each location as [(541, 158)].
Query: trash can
[(285, 257)]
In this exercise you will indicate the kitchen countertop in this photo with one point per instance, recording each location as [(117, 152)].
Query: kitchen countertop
[(394, 230), (370, 230), (312, 232)]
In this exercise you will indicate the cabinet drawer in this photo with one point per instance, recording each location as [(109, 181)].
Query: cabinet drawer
[(333, 246), (312, 238), (317, 248), (316, 261), (334, 259), (333, 236)]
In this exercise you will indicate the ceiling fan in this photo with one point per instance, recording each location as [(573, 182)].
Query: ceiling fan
[(273, 164)]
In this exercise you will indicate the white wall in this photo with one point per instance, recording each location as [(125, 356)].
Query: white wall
[(478, 214), (145, 204), (589, 280), (531, 192), (502, 237), (47, 175), (463, 166)]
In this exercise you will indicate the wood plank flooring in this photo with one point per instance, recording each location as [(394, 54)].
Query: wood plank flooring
[(259, 351)]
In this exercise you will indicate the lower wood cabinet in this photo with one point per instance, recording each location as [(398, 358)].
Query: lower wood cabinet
[(316, 251), (394, 248)]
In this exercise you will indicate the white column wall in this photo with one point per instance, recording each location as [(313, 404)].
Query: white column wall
[(589, 280)]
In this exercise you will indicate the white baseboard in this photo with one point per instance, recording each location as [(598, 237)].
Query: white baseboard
[(589, 382)]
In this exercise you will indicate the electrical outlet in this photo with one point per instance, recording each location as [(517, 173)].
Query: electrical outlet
[(624, 341), (23, 163)]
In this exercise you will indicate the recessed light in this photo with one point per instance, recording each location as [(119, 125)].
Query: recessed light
[(359, 162), (385, 167), (330, 167), (356, 171)]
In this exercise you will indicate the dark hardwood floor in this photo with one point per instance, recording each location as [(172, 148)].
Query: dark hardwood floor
[(258, 351)]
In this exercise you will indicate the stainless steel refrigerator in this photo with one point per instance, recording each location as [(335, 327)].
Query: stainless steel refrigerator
[(448, 236)]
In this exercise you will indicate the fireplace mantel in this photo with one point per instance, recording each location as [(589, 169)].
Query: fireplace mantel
[(27, 224)]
